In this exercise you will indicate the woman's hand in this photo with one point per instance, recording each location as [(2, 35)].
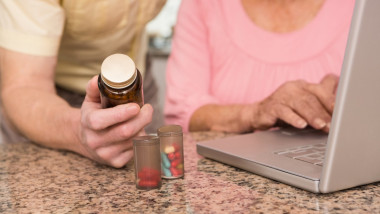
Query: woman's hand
[(297, 103), (106, 134)]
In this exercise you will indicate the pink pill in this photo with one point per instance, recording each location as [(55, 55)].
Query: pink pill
[(175, 172), (177, 155), (175, 162), (176, 147), (171, 156)]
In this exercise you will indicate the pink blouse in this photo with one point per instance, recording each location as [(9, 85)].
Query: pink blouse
[(219, 56)]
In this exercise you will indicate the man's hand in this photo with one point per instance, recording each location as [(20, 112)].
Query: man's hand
[(297, 103), (106, 134)]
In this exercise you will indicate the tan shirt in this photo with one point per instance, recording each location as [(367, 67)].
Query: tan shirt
[(82, 33)]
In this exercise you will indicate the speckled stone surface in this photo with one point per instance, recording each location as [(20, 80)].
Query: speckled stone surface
[(39, 180)]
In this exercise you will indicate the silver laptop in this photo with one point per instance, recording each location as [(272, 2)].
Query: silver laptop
[(349, 155)]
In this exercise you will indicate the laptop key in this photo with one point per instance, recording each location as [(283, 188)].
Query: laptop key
[(296, 154), (319, 164), (313, 154), (309, 160)]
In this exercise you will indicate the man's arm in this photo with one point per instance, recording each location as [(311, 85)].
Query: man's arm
[(29, 100)]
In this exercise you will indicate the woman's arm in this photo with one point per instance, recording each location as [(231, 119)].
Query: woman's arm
[(297, 103), (188, 69)]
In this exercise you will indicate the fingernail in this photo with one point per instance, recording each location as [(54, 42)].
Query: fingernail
[(320, 123), (301, 124)]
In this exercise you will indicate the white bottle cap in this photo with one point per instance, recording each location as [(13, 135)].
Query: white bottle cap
[(118, 71)]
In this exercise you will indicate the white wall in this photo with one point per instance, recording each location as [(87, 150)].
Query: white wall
[(164, 21)]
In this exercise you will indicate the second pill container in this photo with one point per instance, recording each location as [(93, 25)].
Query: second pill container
[(147, 162), (171, 149)]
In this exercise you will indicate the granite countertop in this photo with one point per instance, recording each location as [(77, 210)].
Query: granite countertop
[(34, 179)]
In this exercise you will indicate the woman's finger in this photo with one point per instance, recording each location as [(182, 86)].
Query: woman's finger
[(330, 82), (286, 114), (325, 91), (309, 107)]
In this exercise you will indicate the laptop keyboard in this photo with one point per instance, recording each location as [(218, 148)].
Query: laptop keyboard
[(313, 154)]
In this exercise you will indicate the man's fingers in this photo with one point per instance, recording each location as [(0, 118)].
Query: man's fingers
[(131, 127), (111, 151), (102, 118), (92, 90), (120, 160), (107, 133), (122, 131)]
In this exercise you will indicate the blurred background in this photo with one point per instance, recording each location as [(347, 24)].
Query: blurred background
[(160, 31)]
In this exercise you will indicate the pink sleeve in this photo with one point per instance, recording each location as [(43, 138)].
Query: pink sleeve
[(188, 71)]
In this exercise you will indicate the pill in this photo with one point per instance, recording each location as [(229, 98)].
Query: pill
[(177, 154), (149, 170), (180, 171), (176, 146), (165, 161), (175, 162), (171, 156), (148, 174), (180, 166), (146, 183), (169, 149), (166, 172), (175, 172)]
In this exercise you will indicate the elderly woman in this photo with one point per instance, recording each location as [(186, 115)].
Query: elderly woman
[(239, 66)]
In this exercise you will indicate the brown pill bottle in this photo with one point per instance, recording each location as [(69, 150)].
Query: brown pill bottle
[(120, 82)]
